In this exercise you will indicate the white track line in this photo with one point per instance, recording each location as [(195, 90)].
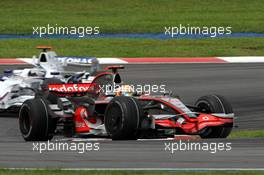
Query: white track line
[(252, 59)]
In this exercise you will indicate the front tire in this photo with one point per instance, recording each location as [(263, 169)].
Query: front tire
[(215, 104), (34, 121), (123, 118)]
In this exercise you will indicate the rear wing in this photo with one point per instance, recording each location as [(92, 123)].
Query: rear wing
[(49, 56), (91, 62), (114, 68), (78, 60)]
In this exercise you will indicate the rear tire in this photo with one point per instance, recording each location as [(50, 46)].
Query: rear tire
[(215, 104), (34, 121), (123, 118)]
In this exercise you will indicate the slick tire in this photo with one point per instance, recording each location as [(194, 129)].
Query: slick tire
[(34, 121), (215, 104), (123, 118)]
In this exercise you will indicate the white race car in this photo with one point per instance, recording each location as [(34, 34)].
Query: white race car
[(19, 85)]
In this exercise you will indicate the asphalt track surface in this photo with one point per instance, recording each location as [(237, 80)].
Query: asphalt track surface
[(242, 84)]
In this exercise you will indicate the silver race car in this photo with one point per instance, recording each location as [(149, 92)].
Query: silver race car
[(20, 85)]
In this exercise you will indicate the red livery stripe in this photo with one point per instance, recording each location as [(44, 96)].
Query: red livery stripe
[(10, 61)]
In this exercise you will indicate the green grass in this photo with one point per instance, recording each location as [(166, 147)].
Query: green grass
[(138, 16), (136, 47), (57, 172), (247, 134)]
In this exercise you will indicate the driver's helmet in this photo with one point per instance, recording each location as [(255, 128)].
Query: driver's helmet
[(125, 90)]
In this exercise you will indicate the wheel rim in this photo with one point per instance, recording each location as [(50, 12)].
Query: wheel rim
[(204, 107), (207, 132), (114, 118), (25, 121)]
